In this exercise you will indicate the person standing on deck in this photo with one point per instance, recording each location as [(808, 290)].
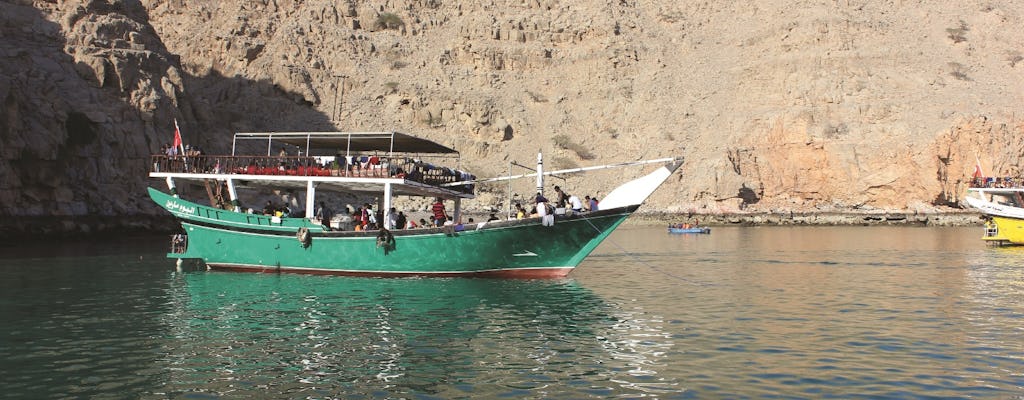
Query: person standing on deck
[(391, 220), (562, 197), (400, 221), (440, 216), (364, 215), (546, 215), (324, 215)]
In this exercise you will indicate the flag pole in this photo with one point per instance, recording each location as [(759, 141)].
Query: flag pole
[(177, 138)]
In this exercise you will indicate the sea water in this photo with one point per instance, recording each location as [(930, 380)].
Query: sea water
[(745, 312)]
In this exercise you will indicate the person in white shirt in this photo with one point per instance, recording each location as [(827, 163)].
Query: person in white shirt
[(575, 204), (546, 218), (391, 221)]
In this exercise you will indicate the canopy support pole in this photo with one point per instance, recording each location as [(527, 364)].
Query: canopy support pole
[(386, 210), (233, 195), (458, 210), (171, 187), (310, 194)]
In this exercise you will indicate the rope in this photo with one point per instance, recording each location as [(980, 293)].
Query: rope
[(642, 262)]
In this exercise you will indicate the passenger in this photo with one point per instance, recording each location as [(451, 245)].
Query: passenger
[(562, 197), (401, 221), (575, 204), (364, 214), (323, 213), (423, 223), (376, 217), (269, 208), (520, 212), (391, 221), (440, 216), (592, 203), (543, 211)]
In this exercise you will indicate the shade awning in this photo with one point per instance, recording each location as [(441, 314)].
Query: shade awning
[(352, 141)]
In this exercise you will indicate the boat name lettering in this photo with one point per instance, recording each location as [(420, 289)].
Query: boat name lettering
[(174, 206)]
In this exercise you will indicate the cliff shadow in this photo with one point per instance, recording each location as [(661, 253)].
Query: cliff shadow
[(90, 93)]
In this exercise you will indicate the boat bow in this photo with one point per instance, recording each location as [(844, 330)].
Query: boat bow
[(636, 191)]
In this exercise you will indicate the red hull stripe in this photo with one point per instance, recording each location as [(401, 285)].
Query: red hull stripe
[(520, 273)]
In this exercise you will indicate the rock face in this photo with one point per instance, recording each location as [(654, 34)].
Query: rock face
[(830, 106)]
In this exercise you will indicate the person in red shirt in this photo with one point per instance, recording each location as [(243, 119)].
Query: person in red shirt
[(440, 216)]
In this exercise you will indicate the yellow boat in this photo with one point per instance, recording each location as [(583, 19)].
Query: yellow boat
[(1004, 213)]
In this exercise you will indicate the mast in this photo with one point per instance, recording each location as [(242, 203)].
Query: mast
[(540, 173), (509, 214)]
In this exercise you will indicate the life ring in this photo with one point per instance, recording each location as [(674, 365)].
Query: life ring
[(303, 236)]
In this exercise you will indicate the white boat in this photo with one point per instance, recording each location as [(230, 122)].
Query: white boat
[(1003, 209)]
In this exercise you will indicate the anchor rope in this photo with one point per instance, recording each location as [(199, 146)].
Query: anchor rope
[(640, 261)]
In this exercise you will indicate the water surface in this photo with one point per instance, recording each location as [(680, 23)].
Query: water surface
[(791, 312)]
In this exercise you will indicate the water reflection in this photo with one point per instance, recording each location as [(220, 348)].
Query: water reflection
[(243, 334), (742, 313)]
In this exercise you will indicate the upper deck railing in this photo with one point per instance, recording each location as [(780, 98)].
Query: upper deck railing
[(411, 169), (997, 182)]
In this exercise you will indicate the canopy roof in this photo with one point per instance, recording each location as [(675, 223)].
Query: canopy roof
[(352, 141)]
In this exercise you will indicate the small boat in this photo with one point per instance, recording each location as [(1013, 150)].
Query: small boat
[(696, 229), (1003, 210), (380, 166)]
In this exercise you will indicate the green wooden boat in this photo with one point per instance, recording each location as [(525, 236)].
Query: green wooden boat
[(230, 239)]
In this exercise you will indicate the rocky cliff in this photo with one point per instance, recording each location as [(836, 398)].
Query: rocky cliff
[(812, 106)]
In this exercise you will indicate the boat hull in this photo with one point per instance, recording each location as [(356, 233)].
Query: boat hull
[(513, 249), (1003, 212), (689, 230), (1005, 230)]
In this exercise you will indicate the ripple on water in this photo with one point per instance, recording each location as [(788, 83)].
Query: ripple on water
[(742, 313)]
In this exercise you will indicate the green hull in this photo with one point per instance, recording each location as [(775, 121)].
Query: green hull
[(526, 248)]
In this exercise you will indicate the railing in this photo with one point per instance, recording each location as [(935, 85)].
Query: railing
[(997, 182), (362, 167)]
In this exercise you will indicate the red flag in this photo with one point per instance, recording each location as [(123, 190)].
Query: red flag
[(977, 168), (177, 138)]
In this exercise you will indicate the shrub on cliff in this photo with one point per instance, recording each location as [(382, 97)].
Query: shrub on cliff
[(565, 142), (388, 21)]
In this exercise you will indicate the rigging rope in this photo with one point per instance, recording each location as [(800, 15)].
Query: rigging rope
[(642, 262)]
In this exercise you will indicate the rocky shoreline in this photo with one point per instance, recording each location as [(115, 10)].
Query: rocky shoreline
[(47, 227), (60, 227), (952, 218)]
